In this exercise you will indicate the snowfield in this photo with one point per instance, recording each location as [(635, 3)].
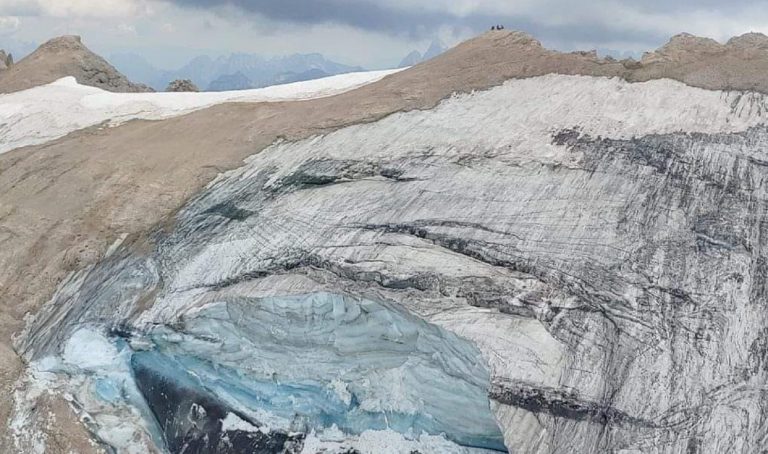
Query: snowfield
[(41, 114)]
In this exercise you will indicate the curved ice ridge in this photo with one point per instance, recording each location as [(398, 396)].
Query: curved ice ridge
[(283, 366)]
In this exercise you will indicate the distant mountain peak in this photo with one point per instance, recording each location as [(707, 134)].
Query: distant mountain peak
[(411, 59), (436, 47), (226, 82), (234, 71)]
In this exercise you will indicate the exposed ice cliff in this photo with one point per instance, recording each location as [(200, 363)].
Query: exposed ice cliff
[(597, 248), (282, 368)]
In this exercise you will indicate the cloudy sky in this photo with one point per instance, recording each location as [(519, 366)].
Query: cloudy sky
[(371, 33)]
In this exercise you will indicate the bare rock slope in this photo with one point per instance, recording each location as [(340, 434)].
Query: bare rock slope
[(601, 242), (61, 57)]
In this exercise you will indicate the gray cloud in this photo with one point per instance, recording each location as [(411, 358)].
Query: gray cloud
[(360, 14), (398, 26), (673, 6), (419, 22)]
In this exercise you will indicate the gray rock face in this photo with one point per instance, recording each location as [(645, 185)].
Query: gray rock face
[(6, 60), (602, 244), (181, 85)]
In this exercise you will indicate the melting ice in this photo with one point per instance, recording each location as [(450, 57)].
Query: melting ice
[(273, 374)]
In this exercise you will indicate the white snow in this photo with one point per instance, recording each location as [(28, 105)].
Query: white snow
[(610, 107), (234, 422), (47, 112), (88, 349), (333, 440)]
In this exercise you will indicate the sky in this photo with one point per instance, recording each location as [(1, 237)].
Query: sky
[(370, 33)]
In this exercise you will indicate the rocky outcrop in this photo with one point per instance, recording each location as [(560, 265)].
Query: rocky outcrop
[(182, 85), (749, 41), (61, 57), (6, 60)]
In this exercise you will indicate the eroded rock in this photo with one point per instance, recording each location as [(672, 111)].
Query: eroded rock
[(182, 85)]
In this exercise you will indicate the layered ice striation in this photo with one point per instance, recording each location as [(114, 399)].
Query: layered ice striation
[(257, 374)]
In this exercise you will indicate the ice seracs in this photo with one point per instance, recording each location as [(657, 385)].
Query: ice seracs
[(262, 374)]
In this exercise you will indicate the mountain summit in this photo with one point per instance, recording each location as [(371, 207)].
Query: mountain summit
[(61, 57)]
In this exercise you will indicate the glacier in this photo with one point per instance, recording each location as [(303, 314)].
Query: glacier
[(586, 264)]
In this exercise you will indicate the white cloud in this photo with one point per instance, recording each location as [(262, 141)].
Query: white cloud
[(9, 24), (126, 29)]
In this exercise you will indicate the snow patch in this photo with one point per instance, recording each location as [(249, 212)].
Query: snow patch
[(333, 440), (88, 349), (47, 112), (234, 422)]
